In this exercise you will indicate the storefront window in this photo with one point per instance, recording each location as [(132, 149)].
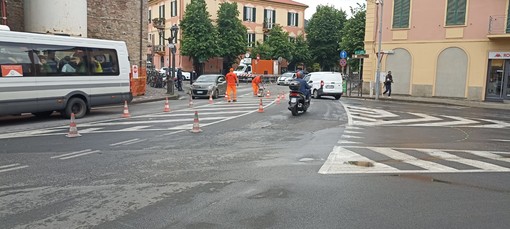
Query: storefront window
[(495, 81)]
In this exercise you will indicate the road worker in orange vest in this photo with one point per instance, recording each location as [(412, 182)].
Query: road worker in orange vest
[(255, 84), (232, 82)]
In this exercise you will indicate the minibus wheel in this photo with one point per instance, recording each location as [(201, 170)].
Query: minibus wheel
[(76, 106)]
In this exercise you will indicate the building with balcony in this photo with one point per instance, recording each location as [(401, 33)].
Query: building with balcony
[(259, 16), (450, 48)]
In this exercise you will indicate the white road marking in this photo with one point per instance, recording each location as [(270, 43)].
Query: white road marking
[(134, 142), (79, 155), (350, 136), (73, 153), (89, 130), (12, 167), (347, 142), (474, 163), (364, 118), (134, 128), (124, 142), (339, 158), (412, 160), (351, 132), (338, 162), (460, 121), (500, 140), (497, 124)]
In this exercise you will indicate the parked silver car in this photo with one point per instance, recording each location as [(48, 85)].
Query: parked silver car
[(206, 85)]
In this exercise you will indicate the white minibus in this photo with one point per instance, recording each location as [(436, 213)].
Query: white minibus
[(43, 73)]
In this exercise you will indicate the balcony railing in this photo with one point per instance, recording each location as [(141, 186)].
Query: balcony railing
[(159, 49), (158, 23), (497, 25)]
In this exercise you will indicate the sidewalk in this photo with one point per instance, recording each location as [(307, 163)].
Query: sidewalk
[(158, 94)]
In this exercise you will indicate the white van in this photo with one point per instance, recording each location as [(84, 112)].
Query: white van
[(325, 84), (40, 74)]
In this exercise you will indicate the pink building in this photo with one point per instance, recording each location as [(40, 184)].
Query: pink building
[(442, 48)]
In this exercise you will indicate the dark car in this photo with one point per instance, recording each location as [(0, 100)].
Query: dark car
[(207, 85)]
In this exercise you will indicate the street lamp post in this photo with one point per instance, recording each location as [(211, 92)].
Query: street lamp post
[(172, 41), (379, 54)]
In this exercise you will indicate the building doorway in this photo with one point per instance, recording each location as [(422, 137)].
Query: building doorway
[(498, 81)]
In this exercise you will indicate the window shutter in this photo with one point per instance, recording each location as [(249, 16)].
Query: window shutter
[(461, 12), (274, 17), (266, 22), (254, 14), (406, 9), (450, 12), (508, 21), (288, 19), (397, 13), (150, 16), (245, 14), (297, 19)]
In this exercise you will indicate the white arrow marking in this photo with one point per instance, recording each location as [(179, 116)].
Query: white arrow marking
[(460, 121), (497, 124), (424, 118)]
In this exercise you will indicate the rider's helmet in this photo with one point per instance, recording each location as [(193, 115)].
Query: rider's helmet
[(299, 75)]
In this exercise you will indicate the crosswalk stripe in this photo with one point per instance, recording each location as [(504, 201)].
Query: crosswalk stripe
[(470, 162), (338, 159), (89, 130), (351, 132), (347, 142), (489, 155), (350, 136), (344, 160), (124, 142), (412, 160), (8, 166)]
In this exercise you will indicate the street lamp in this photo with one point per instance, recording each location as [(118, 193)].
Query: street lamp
[(379, 54), (172, 41)]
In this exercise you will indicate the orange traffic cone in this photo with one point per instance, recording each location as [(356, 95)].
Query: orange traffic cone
[(278, 99), (196, 127), (190, 104), (210, 99), (73, 130), (167, 106), (268, 94), (126, 111), (261, 107), (283, 96)]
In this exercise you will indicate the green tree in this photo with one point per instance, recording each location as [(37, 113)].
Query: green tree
[(261, 49), (232, 34), (279, 44), (323, 33), (301, 53), (353, 33), (199, 36)]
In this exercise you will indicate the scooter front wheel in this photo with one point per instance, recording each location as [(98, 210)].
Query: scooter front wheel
[(294, 110)]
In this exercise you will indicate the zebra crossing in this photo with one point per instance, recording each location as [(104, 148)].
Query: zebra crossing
[(363, 116), (377, 160), (176, 120)]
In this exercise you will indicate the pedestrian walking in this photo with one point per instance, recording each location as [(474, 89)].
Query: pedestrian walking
[(387, 84), (180, 77), (232, 82)]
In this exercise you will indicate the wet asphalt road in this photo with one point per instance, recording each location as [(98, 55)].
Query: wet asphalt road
[(257, 170)]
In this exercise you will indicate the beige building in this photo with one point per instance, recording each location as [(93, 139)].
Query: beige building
[(289, 14), (448, 48)]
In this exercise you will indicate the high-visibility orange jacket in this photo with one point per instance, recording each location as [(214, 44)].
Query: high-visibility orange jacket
[(231, 78), (256, 80)]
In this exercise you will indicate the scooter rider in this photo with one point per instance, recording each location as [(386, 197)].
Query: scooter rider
[(303, 85)]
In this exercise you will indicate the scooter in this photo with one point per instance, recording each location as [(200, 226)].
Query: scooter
[(297, 100)]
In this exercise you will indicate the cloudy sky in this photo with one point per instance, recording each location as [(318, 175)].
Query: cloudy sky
[(339, 4)]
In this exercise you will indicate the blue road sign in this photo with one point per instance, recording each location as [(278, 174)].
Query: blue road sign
[(343, 54)]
